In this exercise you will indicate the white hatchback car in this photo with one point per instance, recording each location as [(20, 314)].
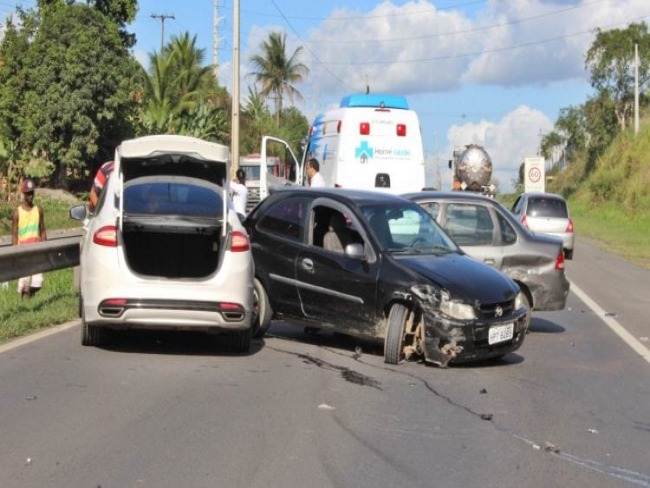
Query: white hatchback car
[(165, 249)]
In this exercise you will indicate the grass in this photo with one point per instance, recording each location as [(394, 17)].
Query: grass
[(55, 303)]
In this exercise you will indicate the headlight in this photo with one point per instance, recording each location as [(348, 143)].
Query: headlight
[(519, 301), (456, 310)]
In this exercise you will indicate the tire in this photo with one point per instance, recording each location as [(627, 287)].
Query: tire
[(394, 342), (91, 335), (568, 254), (262, 307), (529, 313), (240, 342)]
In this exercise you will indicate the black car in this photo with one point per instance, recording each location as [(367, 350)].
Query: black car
[(377, 266)]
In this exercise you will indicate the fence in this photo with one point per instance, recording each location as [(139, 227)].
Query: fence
[(61, 250)]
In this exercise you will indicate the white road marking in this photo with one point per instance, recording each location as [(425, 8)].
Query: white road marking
[(617, 328), (21, 341)]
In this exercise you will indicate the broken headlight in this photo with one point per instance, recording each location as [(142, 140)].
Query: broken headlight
[(519, 301), (455, 309)]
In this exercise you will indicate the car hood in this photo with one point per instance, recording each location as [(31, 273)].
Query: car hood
[(463, 276)]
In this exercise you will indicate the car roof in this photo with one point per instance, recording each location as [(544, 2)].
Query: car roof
[(449, 195), (358, 197), (151, 146), (536, 195)]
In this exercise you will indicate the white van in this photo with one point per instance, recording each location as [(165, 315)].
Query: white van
[(371, 142)]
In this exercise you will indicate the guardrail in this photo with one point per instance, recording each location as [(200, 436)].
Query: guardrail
[(60, 251)]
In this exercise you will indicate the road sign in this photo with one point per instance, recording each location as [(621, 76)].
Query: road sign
[(534, 175)]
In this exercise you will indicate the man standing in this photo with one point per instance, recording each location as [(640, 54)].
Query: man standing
[(316, 180), (28, 227), (239, 193), (98, 183)]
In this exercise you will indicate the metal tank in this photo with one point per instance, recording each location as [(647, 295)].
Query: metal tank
[(472, 169)]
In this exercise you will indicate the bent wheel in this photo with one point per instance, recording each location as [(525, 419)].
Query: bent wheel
[(262, 310), (394, 342)]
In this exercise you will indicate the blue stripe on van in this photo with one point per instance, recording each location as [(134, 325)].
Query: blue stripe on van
[(375, 100)]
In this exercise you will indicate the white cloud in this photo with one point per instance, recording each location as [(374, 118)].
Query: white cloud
[(508, 141)]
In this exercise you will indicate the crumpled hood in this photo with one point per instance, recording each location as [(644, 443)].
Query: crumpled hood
[(463, 276)]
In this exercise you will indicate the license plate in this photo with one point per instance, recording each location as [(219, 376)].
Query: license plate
[(500, 333)]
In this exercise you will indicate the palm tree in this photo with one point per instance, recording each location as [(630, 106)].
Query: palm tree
[(276, 72)]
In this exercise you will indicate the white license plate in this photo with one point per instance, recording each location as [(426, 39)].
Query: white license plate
[(500, 333)]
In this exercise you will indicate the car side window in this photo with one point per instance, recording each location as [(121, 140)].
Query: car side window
[(517, 206), (469, 224), (286, 218), (332, 230), (508, 233)]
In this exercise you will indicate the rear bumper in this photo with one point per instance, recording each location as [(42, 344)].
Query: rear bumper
[(168, 314)]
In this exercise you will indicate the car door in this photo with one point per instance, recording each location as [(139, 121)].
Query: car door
[(279, 236), (475, 229), (335, 289)]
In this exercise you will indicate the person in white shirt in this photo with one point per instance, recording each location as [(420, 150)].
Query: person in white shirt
[(239, 193), (316, 180)]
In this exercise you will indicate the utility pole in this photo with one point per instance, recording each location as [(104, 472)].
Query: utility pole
[(162, 18), (234, 137), (636, 89)]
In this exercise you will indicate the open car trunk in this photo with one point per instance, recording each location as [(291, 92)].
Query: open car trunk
[(172, 226), (171, 248)]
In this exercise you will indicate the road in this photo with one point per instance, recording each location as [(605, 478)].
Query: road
[(571, 408)]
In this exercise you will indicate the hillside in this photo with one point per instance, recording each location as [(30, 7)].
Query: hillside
[(610, 201)]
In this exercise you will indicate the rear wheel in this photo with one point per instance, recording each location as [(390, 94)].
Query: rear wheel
[(240, 341), (568, 254), (529, 311), (262, 310), (91, 335)]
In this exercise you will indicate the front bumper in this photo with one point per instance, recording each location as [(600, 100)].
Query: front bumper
[(450, 341)]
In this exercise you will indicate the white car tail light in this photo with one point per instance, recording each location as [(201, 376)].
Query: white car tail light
[(106, 236), (239, 242), (569, 226)]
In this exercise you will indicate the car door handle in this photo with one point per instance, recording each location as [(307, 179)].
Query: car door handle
[(308, 265)]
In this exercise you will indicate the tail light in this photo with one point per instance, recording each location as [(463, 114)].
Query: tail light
[(523, 221), (239, 242), (364, 128), (401, 130), (569, 226), (338, 127), (559, 261), (106, 236)]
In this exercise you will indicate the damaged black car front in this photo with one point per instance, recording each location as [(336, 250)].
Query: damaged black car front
[(440, 304)]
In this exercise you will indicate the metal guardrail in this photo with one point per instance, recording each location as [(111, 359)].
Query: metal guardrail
[(60, 251)]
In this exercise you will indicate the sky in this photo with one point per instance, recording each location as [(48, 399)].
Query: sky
[(489, 72)]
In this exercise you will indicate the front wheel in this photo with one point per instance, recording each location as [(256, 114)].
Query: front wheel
[(262, 310), (394, 342)]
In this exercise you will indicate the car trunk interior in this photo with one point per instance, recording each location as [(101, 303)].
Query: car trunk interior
[(172, 250)]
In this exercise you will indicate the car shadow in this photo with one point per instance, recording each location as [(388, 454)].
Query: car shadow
[(544, 326), (177, 343)]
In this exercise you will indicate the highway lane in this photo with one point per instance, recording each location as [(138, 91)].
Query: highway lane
[(571, 408)]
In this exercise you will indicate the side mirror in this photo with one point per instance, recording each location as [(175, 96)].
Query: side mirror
[(78, 212), (355, 251)]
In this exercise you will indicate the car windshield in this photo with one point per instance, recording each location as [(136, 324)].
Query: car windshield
[(407, 228), (547, 207)]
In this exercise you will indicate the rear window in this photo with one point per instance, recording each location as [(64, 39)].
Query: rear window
[(170, 198), (547, 207)]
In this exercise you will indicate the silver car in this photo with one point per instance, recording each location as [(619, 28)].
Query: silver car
[(546, 213), (488, 231), (164, 248)]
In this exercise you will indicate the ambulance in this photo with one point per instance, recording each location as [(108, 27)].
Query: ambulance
[(370, 142)]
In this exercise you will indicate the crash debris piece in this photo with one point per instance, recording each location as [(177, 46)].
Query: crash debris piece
[(325, 406)]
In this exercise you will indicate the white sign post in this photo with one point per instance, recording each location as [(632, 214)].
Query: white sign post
[(534, 175)]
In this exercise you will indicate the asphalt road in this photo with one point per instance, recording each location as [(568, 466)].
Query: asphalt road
[(570, 408)]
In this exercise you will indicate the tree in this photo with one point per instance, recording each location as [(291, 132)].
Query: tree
[(550, 142), (181, 95), (610, 60), (79, 79), (278, 73), (256, 121)]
